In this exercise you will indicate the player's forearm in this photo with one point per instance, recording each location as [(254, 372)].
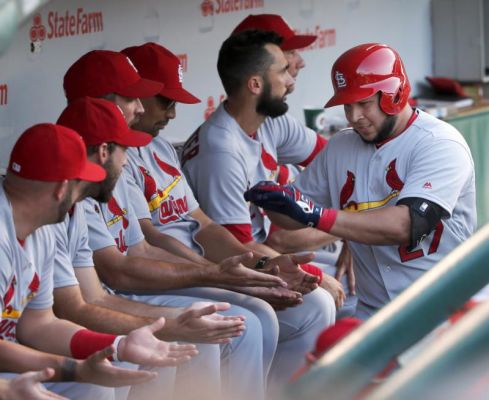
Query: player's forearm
[(388, 226), (143, 274), (118, 303), (18, 358), (285, 241), (103, 319), (47, 334), (261, 248), (223, 245)]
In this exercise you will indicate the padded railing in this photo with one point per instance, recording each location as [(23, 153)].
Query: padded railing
[(455, 367), (348, 367)]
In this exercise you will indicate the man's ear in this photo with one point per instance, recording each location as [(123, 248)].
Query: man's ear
[(61, 189), (103, 153), (255, 84)]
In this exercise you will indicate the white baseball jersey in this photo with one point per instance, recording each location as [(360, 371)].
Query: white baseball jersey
[(113, 222), (156, 174), (26, 272), (221, 162), (429, 160), (72, 249)]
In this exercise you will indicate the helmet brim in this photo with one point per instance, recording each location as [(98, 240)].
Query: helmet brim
[(349, 96)]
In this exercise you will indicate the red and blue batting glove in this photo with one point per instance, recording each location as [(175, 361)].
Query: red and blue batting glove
[(289, 201)]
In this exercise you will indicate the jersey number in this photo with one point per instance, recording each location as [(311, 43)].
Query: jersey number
[(121, 242), (412, 255)]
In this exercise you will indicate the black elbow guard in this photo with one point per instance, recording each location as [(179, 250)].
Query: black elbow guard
[(425, 215)]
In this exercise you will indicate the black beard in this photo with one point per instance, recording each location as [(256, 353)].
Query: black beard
[(385, 131), (104, 189), (270, 106)]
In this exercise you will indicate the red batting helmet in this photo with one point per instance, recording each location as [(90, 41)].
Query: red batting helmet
[(367, 69)]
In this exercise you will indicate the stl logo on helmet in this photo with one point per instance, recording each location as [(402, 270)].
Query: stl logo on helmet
[(340, 79)]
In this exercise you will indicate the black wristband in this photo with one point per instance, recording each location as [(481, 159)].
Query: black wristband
[(260, 264), (68, 370)]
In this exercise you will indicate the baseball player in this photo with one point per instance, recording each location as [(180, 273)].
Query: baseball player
[(233, 150), (126, 262), (46, 174), (114, 314), (383, 182), (331, 257)]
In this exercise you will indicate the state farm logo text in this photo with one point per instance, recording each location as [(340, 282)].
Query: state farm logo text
[(211, 7), (66, 24)]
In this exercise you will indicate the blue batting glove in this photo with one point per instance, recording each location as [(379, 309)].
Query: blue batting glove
[(285, 200)]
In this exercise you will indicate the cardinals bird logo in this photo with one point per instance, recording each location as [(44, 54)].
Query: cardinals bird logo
[(149, 184), (347, 190), (269, 163), (392, 179), (118, 212), (154, 196)]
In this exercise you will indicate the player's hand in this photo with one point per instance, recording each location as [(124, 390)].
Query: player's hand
[(344, 265), (28, 386), (231, 272), (285, 200), (291, 272), (97, 369), (335, 289), (279, 298), (200, 323), (141, 347)]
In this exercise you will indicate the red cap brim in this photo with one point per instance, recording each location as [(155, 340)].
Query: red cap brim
[(180, 95), (142, 88), (134, 138), (92, 172), (298, 42)]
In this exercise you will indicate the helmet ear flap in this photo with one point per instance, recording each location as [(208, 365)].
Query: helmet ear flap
[(393, 103), (386, 103)]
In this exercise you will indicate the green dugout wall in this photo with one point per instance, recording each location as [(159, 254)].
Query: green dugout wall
[(474, 126)]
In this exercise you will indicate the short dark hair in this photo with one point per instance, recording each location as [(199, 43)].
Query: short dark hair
[(244, 54), (92, 149)]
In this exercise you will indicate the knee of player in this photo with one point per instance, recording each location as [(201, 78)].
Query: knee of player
[(321, 308), (266, 315), (253, 331)]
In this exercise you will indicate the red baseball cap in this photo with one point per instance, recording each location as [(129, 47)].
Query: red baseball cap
[(275, 23), (52, 153), (327, 339), (334, 333), (159, 64), (101, 121), (100, 72)]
